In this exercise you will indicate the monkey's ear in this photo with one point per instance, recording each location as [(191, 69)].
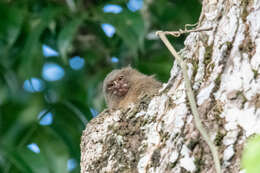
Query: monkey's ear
[(129, 66)]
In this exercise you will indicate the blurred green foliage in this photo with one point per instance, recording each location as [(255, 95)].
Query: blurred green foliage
[(72, 28), (251, 155)]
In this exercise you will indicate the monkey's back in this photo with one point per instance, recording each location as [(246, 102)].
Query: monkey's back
[(140, 85)]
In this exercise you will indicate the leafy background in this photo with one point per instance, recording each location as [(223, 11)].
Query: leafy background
[(54, 55)]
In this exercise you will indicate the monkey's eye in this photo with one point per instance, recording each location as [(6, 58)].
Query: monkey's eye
[(110, 85), (120, 77)]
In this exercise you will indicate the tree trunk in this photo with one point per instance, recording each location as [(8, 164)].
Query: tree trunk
[(160, 135)]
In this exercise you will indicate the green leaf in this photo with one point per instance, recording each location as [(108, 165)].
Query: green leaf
[(81, 116), (36, 28), (37, 159), (251, 156), (22, 159), (53, 149), (129, 26), (10, 26), (66, 36), (11, 19), (19, 121), (15, 159), (31, 52)]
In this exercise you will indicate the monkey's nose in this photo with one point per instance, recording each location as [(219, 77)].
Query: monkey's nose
[(116, 84)]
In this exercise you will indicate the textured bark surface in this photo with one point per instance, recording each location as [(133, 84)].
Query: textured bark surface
[(159, 135)]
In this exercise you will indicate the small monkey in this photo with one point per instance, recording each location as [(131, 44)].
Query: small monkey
[(124, 86)]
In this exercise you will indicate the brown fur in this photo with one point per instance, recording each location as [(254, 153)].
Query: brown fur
[(138, 83)]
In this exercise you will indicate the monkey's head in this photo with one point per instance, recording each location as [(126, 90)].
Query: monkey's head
[(116, 84), (125, 85)]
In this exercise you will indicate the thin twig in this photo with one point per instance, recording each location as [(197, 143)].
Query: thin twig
[(178, 33), (192, 101)]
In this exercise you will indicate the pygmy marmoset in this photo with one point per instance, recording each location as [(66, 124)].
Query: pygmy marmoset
[(124, 86)]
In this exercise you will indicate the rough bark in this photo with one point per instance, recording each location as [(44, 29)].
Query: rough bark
[(159, 135)]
